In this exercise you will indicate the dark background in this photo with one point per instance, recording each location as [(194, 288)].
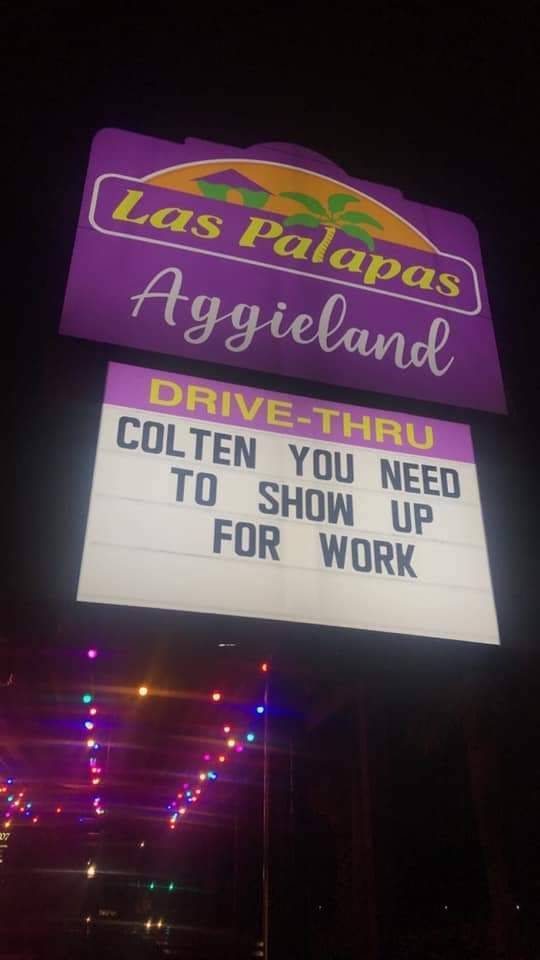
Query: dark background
[(405, 771)]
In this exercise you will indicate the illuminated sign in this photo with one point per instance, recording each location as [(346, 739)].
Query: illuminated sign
[(220, 498), (273, 258)]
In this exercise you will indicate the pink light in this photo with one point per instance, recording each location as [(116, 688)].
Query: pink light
[(180, 795), (93, 711), (239, 748), (182, 811), (198, 791), (59, 809), (186, 786), (206, 756), (35, 819), (91, 653), (172, 826), (226, 729)]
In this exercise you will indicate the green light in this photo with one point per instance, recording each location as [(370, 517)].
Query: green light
[(171, 887), (87, 698), (151, 885)]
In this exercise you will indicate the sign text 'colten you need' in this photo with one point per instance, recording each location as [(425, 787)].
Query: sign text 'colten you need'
[(221, 498), (275, 259)]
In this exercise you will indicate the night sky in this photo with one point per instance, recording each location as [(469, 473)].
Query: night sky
[(437, 103)]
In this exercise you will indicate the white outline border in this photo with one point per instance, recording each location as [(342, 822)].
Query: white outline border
[(271, 266)]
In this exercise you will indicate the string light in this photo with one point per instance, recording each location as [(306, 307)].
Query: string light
[(143, 691), (206, 756), (226, 729), (260, 709), (91, 653), (93, 711), (87, 698), (89, 725), (221, 759), (264, 667), (231, 743), (216, 696), (250, 737)]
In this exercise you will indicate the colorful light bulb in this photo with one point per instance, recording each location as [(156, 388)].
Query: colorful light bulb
[(260, 709), (91, 653), (87, 698), (250, 737), (216, 696)]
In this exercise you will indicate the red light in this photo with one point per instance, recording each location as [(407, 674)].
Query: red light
[(264, 667), (216, 696), (221, 759), (93, 711), (59, 809), (34, 819)]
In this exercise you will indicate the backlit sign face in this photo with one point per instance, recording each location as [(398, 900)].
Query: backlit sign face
[(220, 498), (275, 259)]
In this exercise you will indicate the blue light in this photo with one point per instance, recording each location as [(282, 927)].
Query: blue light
[(188, 793), (260, 709), (96, 746), (9, 780), (212, 775), (250, 737)]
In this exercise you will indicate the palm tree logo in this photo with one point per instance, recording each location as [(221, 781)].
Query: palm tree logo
[(351, 222)]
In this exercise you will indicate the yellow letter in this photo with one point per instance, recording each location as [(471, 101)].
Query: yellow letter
[(155, 392), (451, 283), (423, 280), (299, 248), (353, 263), (364, 426), (126, 205), (428, 434), (277, 408), (179, 219), (373, 272), (202, 395), (248, 413), (387, 428), (326, 417), (256, 229), (209, 223)]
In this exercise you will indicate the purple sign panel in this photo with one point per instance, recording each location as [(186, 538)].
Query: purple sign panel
[(273, 258)]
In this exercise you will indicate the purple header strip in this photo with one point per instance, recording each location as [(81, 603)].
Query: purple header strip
[(250, 408)]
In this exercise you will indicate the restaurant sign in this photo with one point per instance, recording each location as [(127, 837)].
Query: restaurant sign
[(219, 498), (272, 258)]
